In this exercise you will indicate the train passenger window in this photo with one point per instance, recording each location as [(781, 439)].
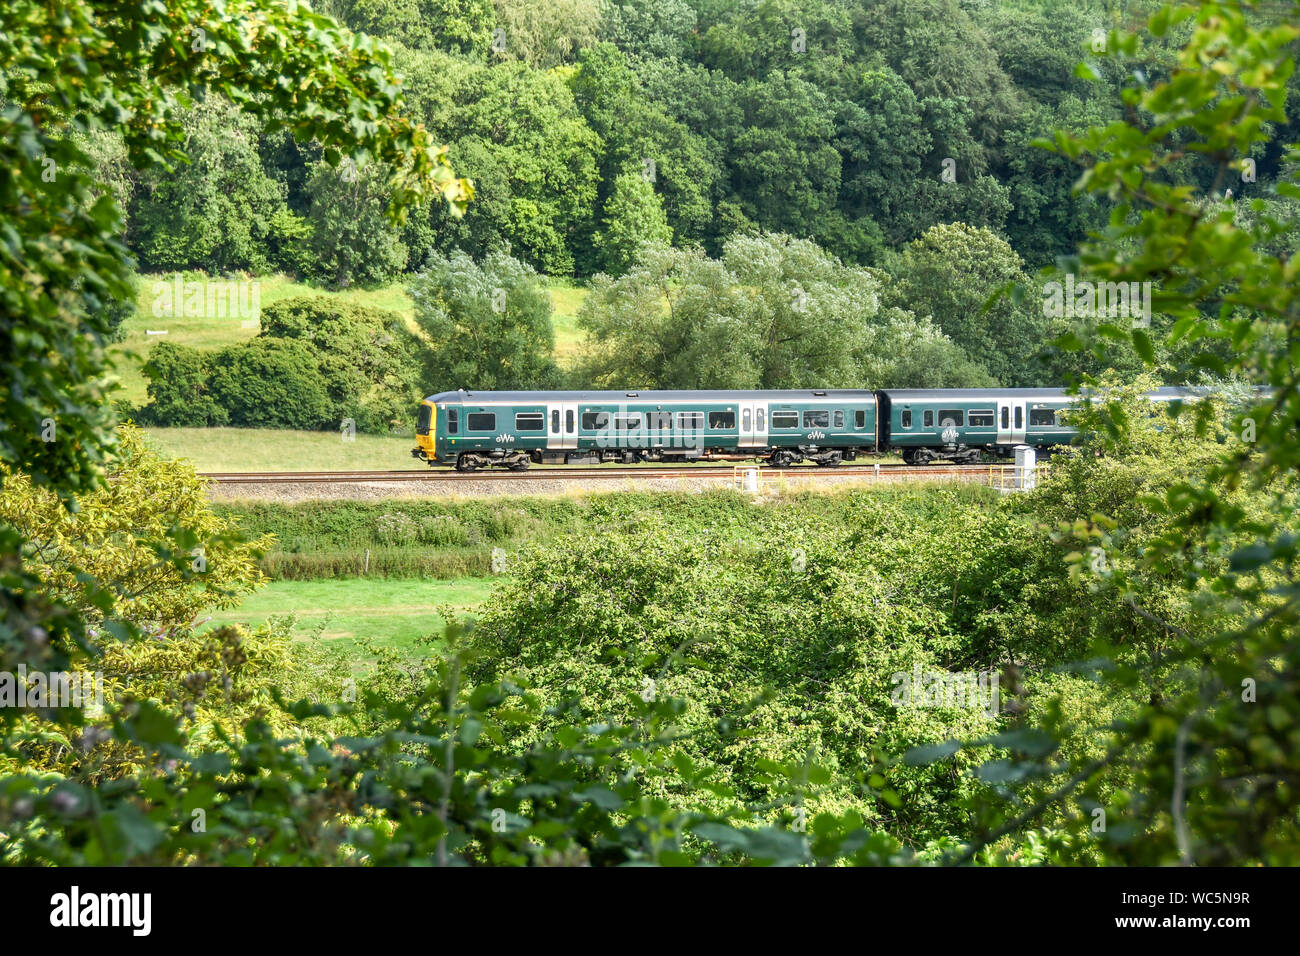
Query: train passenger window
[(555, 421), (1006, 417), (530, 422), (839, 418), (785, 419), (481, 421), (453, 421), (1020, 416), (950, 416), (724, 419), (1042, 416), (661, 420), (760, 420), (746, 420), (906, 418), (568, 421), (860, 418), (594, 421), (928, 418), (688, 421), (816, 418), (981, 418), (626, 423)]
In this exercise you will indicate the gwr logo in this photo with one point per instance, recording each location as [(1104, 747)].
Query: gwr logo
[(815, 435), (505, 439)]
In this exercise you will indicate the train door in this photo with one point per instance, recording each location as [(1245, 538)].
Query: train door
[(1011, 422), (561, 425), (753, 424)]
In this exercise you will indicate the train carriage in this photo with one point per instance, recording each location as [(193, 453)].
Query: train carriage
[(961, 425), (513, 429)]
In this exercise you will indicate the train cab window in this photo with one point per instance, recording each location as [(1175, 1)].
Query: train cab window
[(453, 421), (816, 418), (555, 421), (839, 418), (981, 418), (481, 421), (422, 423), (626, 423), (724, 419), (785, 419), (689, 421), (906, 418), (860, 418), (1006, 417), (950, 416), (928, 418), (530, 422), (593, 421), (1020, 416), (1042, 416)]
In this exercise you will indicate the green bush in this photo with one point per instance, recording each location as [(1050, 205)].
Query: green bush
[(794, 618), (179, 389), (369, 363), (315, 363), (271, 383)]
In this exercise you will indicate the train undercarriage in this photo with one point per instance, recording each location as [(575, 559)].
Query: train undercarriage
[(775, 457), (960, 455), (520, 460)]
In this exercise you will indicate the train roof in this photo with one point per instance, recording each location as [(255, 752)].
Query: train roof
[(919, 394), (788, 395), (940, 394), (651, 395)]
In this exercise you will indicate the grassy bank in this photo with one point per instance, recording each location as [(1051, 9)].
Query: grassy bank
[(440, 538), (277, 449)]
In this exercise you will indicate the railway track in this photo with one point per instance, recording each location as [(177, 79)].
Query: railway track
[(712, 472)]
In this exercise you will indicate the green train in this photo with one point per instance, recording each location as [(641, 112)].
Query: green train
[(473, 430)]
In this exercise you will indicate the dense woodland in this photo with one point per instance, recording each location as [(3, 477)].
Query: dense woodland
[(693, 679), (591, 126)]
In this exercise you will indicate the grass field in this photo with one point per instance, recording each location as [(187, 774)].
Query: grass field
[(211, 332), (275, 449), (349, 615), (283, 449), (566, 300)]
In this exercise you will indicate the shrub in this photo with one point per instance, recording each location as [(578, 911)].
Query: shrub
[(179, 393), (368, 361), (271, 383)]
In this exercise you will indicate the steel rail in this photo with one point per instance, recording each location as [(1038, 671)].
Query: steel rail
[(568, 472)]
